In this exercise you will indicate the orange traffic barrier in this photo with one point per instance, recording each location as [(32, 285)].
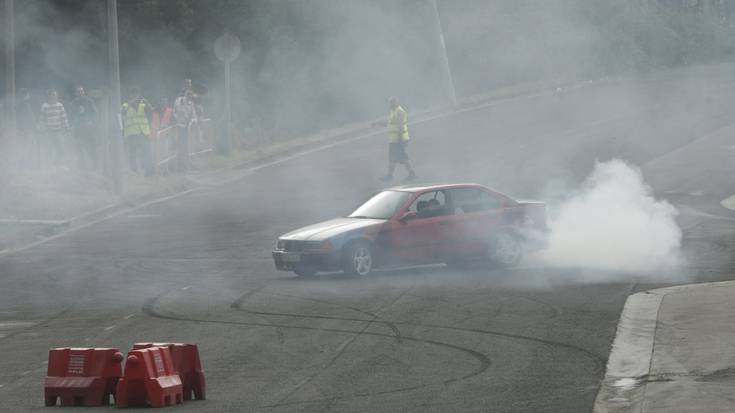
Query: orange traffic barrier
[(82, 376), (187, 364), (149, 378)]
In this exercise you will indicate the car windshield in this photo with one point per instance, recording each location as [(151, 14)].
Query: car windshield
[(382, 206)]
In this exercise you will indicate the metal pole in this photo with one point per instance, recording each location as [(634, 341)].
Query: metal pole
[(228, 108), (10, 65), (447, 72), (114, 118)]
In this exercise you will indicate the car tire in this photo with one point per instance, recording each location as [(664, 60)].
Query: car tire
[(304, 271), (358, 259), (505, 250)]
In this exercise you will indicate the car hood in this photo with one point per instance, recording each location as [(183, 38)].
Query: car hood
[(331, 228)]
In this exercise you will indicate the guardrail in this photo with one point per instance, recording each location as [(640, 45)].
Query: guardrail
[(165, 145)]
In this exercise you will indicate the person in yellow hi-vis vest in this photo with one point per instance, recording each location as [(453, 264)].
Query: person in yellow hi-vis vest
[(137, 130), (397, 140)]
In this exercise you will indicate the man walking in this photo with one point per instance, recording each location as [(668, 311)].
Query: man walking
[(397, 140), (136, 129), (84, 120), (54, 124)]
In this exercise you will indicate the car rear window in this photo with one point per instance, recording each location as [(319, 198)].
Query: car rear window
[(468, 200)]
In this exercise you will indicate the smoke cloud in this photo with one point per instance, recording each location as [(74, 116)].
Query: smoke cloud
[(613, 222)]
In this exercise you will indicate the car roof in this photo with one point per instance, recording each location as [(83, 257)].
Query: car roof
[(434, 186)]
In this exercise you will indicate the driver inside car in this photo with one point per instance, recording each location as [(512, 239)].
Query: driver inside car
[(433, 209)]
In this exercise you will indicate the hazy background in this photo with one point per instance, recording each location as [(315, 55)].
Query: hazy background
[(306, 65)]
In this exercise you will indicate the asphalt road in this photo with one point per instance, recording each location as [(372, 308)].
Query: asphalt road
[(198, 269)]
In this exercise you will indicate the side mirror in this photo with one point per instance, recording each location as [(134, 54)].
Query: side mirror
[(407, 217)]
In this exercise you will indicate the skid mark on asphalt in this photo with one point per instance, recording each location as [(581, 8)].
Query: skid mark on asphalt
[(149, 308), (35, 325), (375, 317), (237, 305), (344, 346)]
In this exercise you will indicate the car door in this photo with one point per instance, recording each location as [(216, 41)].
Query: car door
[(420, 240), (477, 215)]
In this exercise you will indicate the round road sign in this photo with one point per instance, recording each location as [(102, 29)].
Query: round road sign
[(227, 48)]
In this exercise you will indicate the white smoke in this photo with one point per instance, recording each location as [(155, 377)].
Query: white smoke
[(614, 223)]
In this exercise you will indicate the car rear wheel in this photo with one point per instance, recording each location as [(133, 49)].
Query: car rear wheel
[(358, 259), (505, 249)]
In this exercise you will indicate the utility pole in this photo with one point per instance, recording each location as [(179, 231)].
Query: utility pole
[(442, 51), (10, 65), (114, 126)]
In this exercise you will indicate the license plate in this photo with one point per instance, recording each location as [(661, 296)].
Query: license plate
[(291, 257)]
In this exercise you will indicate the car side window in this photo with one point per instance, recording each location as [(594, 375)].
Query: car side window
[(469, 200), (430, 204)]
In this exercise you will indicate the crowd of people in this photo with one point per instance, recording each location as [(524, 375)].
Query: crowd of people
[(71, 134)]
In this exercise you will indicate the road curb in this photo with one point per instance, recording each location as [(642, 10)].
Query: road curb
[(624, 386)]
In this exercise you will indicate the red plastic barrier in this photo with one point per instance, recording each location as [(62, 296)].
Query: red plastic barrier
[(150, 378), (187, 364), (82, 376)]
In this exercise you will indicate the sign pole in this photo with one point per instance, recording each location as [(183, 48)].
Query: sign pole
[(228, 108), (10, 64), (442, 51), (227, 49), (114, 117)]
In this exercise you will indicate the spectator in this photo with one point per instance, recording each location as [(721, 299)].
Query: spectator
[(137, 130), (161, 120), (83, 115), (184, 115), (54, 125), (162, 117)]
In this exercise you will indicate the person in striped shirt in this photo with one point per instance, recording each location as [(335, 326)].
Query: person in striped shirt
[(54, 125)]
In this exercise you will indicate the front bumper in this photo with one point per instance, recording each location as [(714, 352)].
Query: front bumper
[(318, 261)]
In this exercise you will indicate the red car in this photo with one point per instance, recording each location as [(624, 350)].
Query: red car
[(416, 224)]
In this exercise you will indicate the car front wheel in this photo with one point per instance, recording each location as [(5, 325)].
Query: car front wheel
[(358, 259)]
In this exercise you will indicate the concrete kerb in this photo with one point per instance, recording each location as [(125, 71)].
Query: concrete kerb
[(628, 368)]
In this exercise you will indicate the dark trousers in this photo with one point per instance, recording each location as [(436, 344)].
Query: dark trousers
[(86, 148), (139, 152), (183, 162)]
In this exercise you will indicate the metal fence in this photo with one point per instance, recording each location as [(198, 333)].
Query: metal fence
[(165, 145)]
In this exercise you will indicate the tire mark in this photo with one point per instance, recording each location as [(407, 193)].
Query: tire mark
[(237, 305), (467, 312), (343, 348), (149, 308), (599, 360), (376, 317), (42, 323)]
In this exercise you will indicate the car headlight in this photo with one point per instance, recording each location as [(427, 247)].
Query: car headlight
[(281, 244)]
